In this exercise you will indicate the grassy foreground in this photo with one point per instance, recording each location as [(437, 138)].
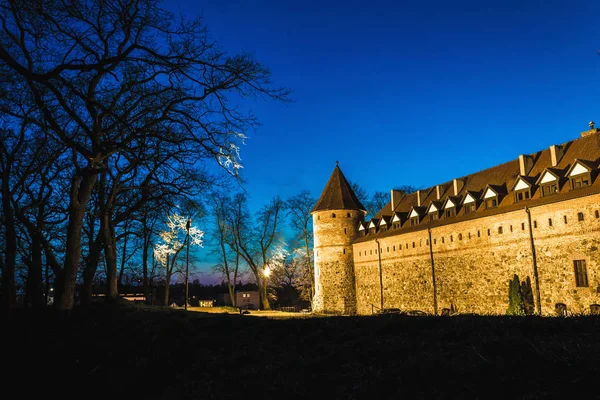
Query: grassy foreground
[(127, 351)]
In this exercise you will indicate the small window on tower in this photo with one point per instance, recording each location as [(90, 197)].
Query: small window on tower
[(522, 226), (344, 231), (549, 221), (580, 216), (500, 230), (348, 215), (332, 215)]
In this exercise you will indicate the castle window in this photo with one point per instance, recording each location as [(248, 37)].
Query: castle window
[(375, 251), (549, 189), (549, 221), (565, 219), (469, 235), (344, 251), (522, 226), (414, 221), (581, 181), (332, 215), (388, 249), (359, 253), (434, 241), (383, 229), (469, 208), (433, 216), (535, 224), (460, 236), (489, 233), (394, 248), (318, 217), (451, 212), (581, 278), (348, 215), (511, 228), (451, 238), (500, 230), (597, 214), (413, 245), (426, 242), (478, 234), (344, 231), (407, 245), (521, 195), (580, 216), (442, 239), (491, 202), (371, 252)]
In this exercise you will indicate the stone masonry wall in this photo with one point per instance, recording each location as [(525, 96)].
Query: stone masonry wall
[(334, 268), (473, 266)]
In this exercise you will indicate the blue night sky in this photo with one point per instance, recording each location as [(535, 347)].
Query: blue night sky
[(408, 92)]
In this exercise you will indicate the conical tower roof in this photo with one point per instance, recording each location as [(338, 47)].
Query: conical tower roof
[(337, 195)]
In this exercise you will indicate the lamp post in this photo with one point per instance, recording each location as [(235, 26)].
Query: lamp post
[(187, 261)]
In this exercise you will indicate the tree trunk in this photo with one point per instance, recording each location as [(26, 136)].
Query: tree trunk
[(167, 282), (110, 254), (123, 255), (85, 293), (35, 290), (81, 190), (7, 281), (309, 265), (145, 251)]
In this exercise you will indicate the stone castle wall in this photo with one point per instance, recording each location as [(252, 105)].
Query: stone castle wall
[(475, 259), (334, 267)]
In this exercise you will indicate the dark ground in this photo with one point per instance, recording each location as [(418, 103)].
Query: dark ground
[(134, 352)]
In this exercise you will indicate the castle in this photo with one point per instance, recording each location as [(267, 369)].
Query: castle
[(456, 245)]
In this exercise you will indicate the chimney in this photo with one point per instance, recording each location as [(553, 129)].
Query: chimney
[(556, 153), (590, 131), (396, 197), (439, 189), (525, 164), (458, 185), (420, 197)]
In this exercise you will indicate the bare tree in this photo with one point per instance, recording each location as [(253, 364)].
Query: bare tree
[(255, 240), (299, 208), (129, 79), (224, 243)]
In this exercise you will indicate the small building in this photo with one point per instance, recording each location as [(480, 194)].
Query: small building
[(206, 303), (248, 300)]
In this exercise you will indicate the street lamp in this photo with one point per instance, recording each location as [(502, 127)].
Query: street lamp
[(187, 261)]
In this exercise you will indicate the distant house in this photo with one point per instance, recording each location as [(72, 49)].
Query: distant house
[(248, 300), (206, 303)]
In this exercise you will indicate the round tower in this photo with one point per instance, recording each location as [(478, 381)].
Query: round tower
[(335, 226)]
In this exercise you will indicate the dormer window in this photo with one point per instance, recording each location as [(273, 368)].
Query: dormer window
[(413, 217), (450, 208), (548, 183), (433, 212), (396, 222), (580, 175), (491, 198), (522, 190), (581, 181), (469, 204)]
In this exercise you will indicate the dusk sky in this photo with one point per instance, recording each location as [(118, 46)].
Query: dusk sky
[(408, 92)]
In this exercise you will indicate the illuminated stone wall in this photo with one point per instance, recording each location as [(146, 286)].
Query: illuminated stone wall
[(334, 268), (472, 268)]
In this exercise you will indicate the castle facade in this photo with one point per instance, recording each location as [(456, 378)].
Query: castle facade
[(458, 244)]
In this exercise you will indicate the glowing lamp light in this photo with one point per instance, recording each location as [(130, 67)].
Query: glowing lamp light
[(267, 271)]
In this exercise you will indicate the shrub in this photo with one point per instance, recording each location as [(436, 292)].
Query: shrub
[(516, 305)]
